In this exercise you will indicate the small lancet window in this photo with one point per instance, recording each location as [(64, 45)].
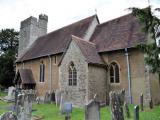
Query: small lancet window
[(114, 73), (42, 72), (72, 78)]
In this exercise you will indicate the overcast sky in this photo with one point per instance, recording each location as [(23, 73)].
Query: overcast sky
[(64, 12)]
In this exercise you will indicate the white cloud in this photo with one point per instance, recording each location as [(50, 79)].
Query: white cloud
[(64, 12)]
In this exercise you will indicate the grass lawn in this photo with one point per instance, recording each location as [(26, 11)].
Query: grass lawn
[(50, 112)]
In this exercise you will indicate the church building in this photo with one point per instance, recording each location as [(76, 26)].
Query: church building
[(87, 58)]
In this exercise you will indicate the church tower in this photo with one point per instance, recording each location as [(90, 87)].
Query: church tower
[(30, 29)]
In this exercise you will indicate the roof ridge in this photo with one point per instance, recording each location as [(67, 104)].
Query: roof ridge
[(69, 25), (111, 20), (83, 40)]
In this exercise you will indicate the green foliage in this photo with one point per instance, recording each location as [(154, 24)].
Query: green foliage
[(8, 51), (152, 28)]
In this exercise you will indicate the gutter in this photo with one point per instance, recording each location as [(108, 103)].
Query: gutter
[(50, 73), (129, 75)]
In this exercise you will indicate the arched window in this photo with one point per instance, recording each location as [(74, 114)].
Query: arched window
[(114, 73), (72, 78)]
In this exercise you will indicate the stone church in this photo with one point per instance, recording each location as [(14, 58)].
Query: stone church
[(87, 58)]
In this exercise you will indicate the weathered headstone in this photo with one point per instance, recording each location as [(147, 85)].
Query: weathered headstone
[(116, 108), (121, 96), (53, 99), (24, 105), (151, 104), (37, 100), (62, 109), (141, 102), (11, 94), (92, 110), (126, 110), (8, 116), (68, 110), (47, 98), (136, 112), (58, 97)]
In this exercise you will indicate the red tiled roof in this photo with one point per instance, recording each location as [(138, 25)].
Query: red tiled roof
[(89, 50), (56, 41), (120, 33)]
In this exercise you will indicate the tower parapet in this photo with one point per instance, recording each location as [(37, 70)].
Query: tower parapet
[(30, 29)]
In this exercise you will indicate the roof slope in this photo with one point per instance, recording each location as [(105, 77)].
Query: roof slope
[(26, 76), (89, 50), (120, 33), (56, 41)]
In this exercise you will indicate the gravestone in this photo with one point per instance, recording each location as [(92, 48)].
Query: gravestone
[(58, 97), (68, 110), (115, 104), (53, 97), (136, 112), (126, 110), (11, 94), (92, 110), (8, 116), (121, 96), (151, 104), (141, 102), (62, 101), (47, 98), (24, 105)]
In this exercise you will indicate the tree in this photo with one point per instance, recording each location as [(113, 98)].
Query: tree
[(151, 27), (8, 51)]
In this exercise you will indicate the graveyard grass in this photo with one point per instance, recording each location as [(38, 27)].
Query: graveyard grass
[(51, 112)]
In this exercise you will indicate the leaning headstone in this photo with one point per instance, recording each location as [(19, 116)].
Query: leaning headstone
[(92, 110), (116, 108), (58, 97), (136, 112), (8, 116), (141, 102), (126, 110), (11, 94)]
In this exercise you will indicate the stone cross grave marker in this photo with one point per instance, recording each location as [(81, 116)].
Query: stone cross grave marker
[(115, 104), (92, 110)]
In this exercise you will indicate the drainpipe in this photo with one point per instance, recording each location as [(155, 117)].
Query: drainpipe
[(129, 75), (22, 65), (50, 73)]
